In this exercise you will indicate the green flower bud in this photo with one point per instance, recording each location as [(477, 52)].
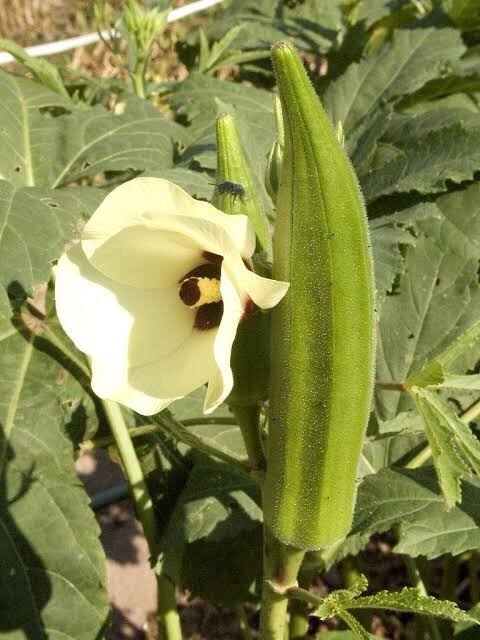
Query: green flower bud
[(275, 158)]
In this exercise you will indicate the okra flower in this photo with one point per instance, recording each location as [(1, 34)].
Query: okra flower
[(154, 292)]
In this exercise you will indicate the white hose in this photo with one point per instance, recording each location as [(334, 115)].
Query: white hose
[(51, 48)]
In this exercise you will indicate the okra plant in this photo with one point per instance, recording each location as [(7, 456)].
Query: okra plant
[(257, 288)]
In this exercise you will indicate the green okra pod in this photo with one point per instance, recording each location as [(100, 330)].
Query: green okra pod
[(323, 331)]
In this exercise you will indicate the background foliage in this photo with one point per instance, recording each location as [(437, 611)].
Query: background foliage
[(403, 78)]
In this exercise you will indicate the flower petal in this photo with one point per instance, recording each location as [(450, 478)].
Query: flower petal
[(116, 323), (151, 387), (221, 383), (144, 350), (126, 221)]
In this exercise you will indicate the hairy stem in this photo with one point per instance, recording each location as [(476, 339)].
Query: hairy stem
[(167, 612), (417, 582), (281, 566), (298, 625), (248, 418), (243, 622), (177, 430), (391, 386)]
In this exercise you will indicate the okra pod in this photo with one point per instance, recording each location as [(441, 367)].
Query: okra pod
[(323, 331)]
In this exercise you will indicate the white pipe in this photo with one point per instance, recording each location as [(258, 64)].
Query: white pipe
[(51, 48)]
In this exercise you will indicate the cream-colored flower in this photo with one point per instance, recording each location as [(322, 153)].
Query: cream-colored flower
[(154, 293)]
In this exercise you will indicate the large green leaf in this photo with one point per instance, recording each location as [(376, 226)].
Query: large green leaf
[(437, 297), (49, 151), (420, 153), (52, 576), (455, 449), (35, 224), (27, 137), (216, 517), (95, 140), (312, 25), (201, 98), (45, 72), (400, 67), (410, 502)]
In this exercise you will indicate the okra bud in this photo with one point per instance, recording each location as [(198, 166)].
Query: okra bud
[(323, 331)]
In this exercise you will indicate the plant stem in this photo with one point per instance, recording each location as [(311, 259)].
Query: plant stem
[(281, 565), (168, 615), (138, 79), (421, 457), (179, 432), (471, 413), (391, 386), (298, 625), (146, 429), (134, 473), (243, 622), (170, 628), (248, 418), (417, 582), (106, 441)]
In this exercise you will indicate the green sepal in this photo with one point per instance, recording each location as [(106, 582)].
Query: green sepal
[(232, 167), (323, 330), (250, 352)]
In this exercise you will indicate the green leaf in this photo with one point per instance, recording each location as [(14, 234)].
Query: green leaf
[(437, 372), (46, 73), (464, 13), (35, 224), (27, 137), (455, 449), (400, 67), (410, 600), (340, 599), (310, 25), (388, 235), (216, 517), (437, 298), (52, 575), (196, 183), (423, 161), (92, 141), (410, 502)]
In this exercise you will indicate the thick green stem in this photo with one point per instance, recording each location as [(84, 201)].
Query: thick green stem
[(138, 79), (417, 582), (243, 622), (281, 566), (167, 612), (170, 628), (298, 625), (248, 418)]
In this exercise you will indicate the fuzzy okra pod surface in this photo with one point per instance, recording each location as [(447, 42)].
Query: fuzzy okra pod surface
[(323, 330)]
